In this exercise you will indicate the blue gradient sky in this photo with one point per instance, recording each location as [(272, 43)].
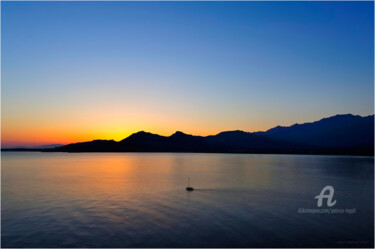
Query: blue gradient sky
[(75, 71)]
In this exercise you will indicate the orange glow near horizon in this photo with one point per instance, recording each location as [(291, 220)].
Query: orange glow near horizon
[(25, 131), (55, 136), (108, 120), (35, 133), (78, 121), (35, 126)]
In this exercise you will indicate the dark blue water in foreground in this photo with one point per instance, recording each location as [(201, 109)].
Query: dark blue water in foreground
[(139, 200)]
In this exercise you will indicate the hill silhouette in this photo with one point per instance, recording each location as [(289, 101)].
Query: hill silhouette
[(340, 134), (346, 133)]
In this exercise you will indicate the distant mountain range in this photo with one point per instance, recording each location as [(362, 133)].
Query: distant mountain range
[(340, 134), (36, 148)]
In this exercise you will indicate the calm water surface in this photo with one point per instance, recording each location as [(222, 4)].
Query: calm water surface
[(139, 200)]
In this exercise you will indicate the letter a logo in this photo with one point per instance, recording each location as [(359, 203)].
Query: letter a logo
[(329, 196)]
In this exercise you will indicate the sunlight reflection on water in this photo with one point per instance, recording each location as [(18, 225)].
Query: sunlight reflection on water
[(139, 200)]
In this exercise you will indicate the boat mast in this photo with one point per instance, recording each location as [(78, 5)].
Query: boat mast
[(189, 182)]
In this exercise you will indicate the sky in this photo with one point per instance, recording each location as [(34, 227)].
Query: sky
[(78, 71)]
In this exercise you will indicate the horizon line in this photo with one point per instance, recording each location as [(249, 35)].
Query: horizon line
[(177, 131)]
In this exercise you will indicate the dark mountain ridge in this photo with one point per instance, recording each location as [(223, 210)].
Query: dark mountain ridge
[(340, 134)]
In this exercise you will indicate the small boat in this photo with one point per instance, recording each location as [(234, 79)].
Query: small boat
[(188, 188)]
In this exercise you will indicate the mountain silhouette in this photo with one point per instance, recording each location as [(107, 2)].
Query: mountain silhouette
[(227, 142), (340, 134), (345, 133)]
